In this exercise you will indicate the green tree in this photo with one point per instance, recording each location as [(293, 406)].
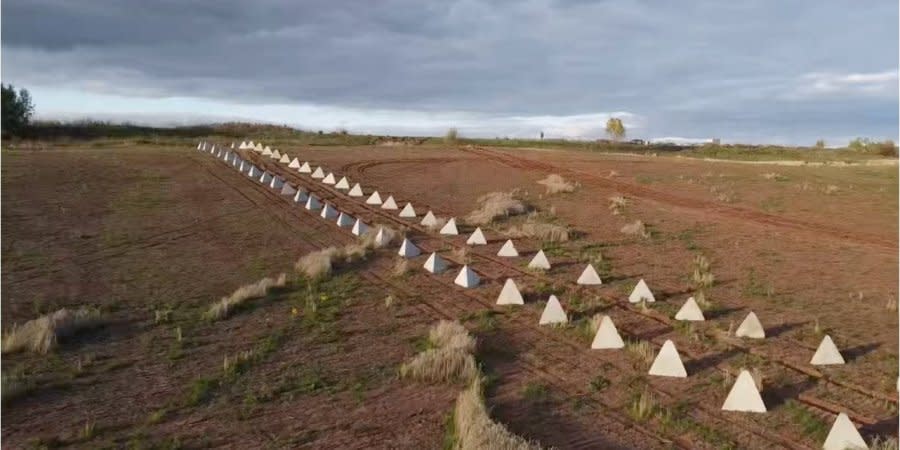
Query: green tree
[(615, 128), (16, 111), (820, 143)]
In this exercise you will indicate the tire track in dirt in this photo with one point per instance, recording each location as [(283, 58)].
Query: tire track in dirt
[(730, 212)]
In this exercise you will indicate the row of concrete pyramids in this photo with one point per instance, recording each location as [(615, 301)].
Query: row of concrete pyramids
[(743, 396)]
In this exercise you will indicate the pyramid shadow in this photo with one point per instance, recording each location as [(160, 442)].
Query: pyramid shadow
[(859, 351), (720, 312), (778, 330), (590, 312), (665, 295), (656, 332), (699, 365), (884, 427), (556, 265), (614, 278), (777, 396)]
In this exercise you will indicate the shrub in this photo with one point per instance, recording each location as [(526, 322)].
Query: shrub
[(42, 334), (556, 184), (226, 305), (452, 136), (448, 360), (476, 430), (544, 231), (636, 228), (495, 205)]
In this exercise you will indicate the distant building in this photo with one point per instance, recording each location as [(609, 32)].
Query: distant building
[(638, 142)]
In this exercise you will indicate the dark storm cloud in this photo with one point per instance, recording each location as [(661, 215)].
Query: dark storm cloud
[(690, 68)]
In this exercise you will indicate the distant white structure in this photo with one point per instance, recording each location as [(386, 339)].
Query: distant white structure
[(435, 263), (589, 277), (510, 294), (539, 261), (641, 293), (275, 155), (477, 238), (300, 196), (359, 228), (267, 152), (295, 164), (607, 336), (389, 203), (381, 238), (344, 220), (844, 435), (312, 203), (305, 168), (287, 189), (374, 199), (342, 184), (329, 212), (508, 250), (408, 211), (449, 228), (467, 278), (668, 362), (429, 220), (744, 396), (690, 311), (285, 159), (265, 178), (276, 183), (751, 328), (329, 179), (243, 145), (253, 172), (258, 148), (553, 313), (318, 173), (408, 249), (827, 353), (356, 191)]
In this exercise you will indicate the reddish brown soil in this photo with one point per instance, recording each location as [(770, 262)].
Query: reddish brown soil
[(571, 411)]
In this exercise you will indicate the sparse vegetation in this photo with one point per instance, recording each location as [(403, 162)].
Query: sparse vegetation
[(43, 334), (400, 267), (642, 406), (702, 279), (228, 305), (495, 205), (556, 184), (636, 228), (452, 136), (617, 204), (449, 358), (321, 263), (641, 352), (544, 231), (474, 428), (615, 129)]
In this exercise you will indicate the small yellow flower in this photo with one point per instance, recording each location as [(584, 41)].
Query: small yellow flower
[(294, 311)]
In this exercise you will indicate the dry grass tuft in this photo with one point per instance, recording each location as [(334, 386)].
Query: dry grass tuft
[(548, 232), (642, 406), (474, 428), (636, 228), (461, 254), (447, 334), (400, 267), (831, 189), (774, 176), (495, 205), (883, 443), (617, 204), (321, 263), (891, 304), (556, 184), (42, 334), (224, 307), (317, 264), (641, 351), (450, 358), (439, 223)]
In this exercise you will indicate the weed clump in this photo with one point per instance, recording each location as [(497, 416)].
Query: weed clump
[(556, 184), (545, 231), (636, 228), (42, 334), (617, 204), (476, 430), (320, 264), (227, 305), (496, 205), (448, 360)]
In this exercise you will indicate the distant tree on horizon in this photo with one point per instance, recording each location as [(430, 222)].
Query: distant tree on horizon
[(615, 128), (17, 110)]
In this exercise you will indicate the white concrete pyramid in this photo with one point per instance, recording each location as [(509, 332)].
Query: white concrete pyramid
[(589, 277), (539, 261), (242, 146), (318, 173), (449, 228), (312, 203), (389, 203), (199, 145), (344, 220), (477, 238), (751, 328), (305, 168), (844, 435), (381, 238), (300, 196), (232, 145), (294, 164), (329, 179), (343, 183), (267, 151), (276, 183), (827, 353), (435, 263), (251, 145), (510, 294), (265, 178), (553, 313), (359, 228), (253, 172), (236, 161), (607, 336), (690, 311), (408, 249), (275, 155), (668, 362), (329, 212), (408, 211), (508, 250), (356, 191), (429, 220), (744, 396), (374, 199), (641, 292), (258, 148), (212, 149), (287, 189), (285, 159), (245, 166), (467, 278)]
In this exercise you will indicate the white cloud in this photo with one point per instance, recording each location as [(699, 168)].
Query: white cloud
[(825, 83)]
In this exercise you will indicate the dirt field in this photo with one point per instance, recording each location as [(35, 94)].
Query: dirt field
[(136, 230)]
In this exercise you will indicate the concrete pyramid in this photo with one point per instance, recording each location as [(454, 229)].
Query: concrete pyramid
[(258, 148), (212, 149), (265, 178), (277, 183), (243, 145), (318, 173), (253, 172), (329, 212), (374, 199), (408, 211), (607, 336), (751, 328), (827, 353), (343, 183), (236, 161), (305, 168), (435, 263), (553, 313), (744, 396), (359, 228), (844, 435), (508, 250), (510, 294), (251, 145), (641, 292), (467, 278), (668, 362), (381, 238), (300, 196), (389, 203), (589, 277), (294, 164), (276, 155), (449, 228), (408, 249), (477, 238), (344, 220), (539, 261), (218, 153), (356, 191), (329, 179), (690, 311), (287, 189), (285, 159), (232, 145), (243, 167), (429, 220), (312, 203), (267, 151), (200, 146)]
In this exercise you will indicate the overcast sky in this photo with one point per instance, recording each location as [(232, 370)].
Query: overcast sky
[(776, 71)]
